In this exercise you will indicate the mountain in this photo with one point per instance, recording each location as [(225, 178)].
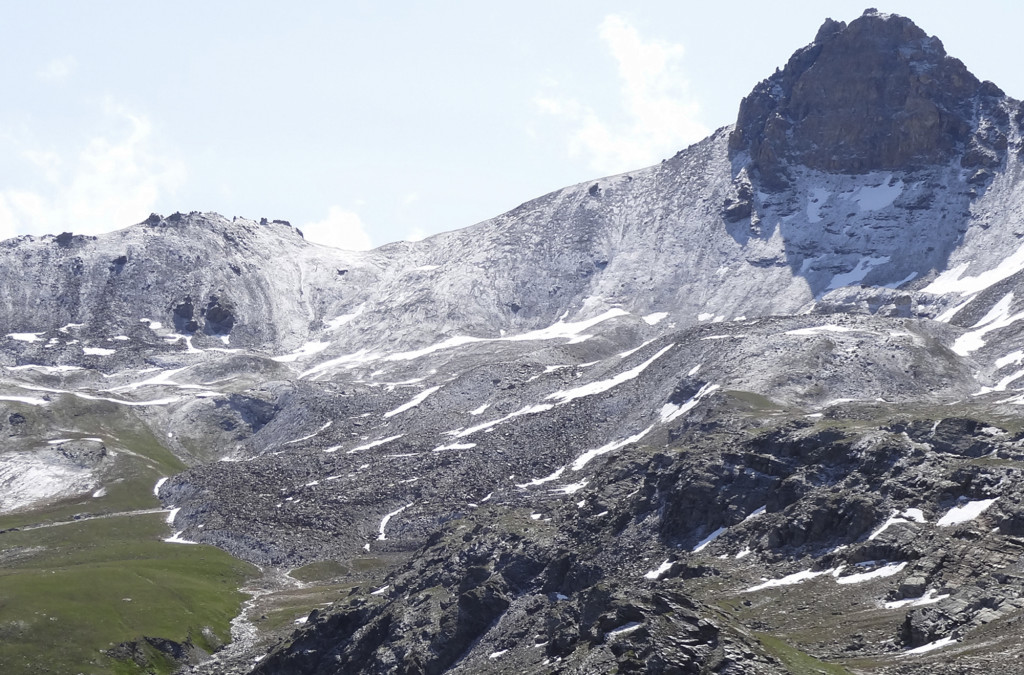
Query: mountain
[(750, 410)]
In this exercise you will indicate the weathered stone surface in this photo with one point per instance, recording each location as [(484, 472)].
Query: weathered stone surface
[(878, 94)]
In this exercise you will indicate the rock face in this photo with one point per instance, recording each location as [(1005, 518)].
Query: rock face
[(877, 95), (752, 410)]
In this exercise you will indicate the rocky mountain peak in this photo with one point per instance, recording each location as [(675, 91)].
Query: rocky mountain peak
[(877, 94)]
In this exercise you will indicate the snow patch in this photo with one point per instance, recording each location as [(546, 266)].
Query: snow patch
[(965, 512), (818, 198), (456, 341), (529, 410), (339, 321), (931, 646), (951, 281), (349, 361), (572, 488), (176, 539), (755, 513), (815, 330), (24, 337), (387, 518), (604, 385), (373, 444), (98, 351), (307, 349), (624, 629), (710, 538), (27, 400), (908, 515), (996, 318), (454, 446), (857, 274), (671, 412), (30, 478), (929, 598), (583, 459), (540, 481), (790, 580), (873, 198), (419, 398), (306, 438), (879, 573), (572, 330)]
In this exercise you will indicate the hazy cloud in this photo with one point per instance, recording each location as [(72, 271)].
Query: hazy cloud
[(340, 229), (108, 184), (416, 234), (58, 69), (659, 116)]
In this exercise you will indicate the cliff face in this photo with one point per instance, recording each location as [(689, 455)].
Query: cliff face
[(255, 283), (876, 95)]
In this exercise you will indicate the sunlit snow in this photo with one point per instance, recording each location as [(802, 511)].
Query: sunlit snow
[(387, 518), (879, 573), (454, 446), (27, 400), (176, 539), (307, 349), (419, 398), (997, 317), (929, 598), (710, 538), (339, 321), (367, 446), (528, 410), (931, 646), (306, 438), (24, 337), (906, 516), (965, 512), (540, 481), (583, 459), (857, 274), (795, 578), (671, 412), (604, 385), (953, 281), (815, 330)]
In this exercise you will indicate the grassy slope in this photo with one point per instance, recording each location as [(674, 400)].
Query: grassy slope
[(69, 591)]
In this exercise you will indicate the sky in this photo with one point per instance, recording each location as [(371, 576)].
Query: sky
[(364, 123)]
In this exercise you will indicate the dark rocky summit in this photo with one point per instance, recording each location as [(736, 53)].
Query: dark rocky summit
[(877, 95), (753, 410)]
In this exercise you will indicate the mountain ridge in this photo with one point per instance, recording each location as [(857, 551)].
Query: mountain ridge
[(634, 424)]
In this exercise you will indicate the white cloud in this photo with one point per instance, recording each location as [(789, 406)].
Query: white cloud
[(660, 117), (340, 229), (106, 185), (58, 69)]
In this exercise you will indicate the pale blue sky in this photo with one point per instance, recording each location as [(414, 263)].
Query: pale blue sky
[(369, 122)]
